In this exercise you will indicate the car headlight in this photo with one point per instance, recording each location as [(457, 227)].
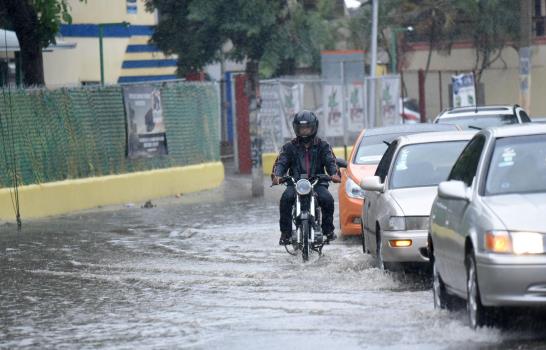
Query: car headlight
[(396, 223), (516, 242), (303, 187), (353, 190), (403, 223), (417, 223)]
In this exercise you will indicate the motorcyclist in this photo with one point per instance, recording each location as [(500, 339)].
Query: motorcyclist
[(305, 154)]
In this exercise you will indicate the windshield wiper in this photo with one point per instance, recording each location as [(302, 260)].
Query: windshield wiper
[(474, 127)]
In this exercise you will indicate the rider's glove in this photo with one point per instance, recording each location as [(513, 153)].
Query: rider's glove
[(275, 180), (335, 178)]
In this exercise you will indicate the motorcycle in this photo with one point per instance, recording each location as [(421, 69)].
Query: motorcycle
[(306, 215)]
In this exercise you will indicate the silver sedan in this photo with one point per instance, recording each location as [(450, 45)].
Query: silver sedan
[(397, 201), (488, 225)]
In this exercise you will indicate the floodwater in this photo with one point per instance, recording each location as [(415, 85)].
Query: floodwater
[(204, 271)]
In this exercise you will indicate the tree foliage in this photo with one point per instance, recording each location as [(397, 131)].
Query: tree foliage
[(299, 41), (199, 32), (491, 26), (35, 22), (278, 34)]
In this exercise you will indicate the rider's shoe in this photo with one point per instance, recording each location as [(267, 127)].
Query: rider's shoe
[(285, 238), (330, 236)]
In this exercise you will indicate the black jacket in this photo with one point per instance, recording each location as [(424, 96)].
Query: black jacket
[(292, 159)]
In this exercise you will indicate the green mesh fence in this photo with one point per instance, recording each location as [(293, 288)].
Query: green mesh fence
[(52, 135)]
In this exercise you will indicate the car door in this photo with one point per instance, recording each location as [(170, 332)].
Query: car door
[(371, 197), (451, 244)]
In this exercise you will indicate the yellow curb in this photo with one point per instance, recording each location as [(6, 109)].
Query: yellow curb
[(61, 197)]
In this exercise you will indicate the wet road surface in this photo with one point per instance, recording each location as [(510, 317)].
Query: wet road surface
[(204, 271)]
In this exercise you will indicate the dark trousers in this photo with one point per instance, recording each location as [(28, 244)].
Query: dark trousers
[(325, 201)]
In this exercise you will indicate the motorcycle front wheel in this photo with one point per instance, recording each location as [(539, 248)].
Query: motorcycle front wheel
[(305, 242)]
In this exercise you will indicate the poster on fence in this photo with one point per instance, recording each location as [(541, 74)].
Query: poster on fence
[(270, 115), (333, 107), (291, 103), (389, 96), (356, 92), (464, 92), (145, 127)]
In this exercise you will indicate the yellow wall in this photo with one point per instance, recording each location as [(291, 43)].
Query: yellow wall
[(108, 11), (73, 66), (71, 195)]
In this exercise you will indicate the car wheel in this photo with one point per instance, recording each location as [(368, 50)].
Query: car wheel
[(442, 300), (363, 238), (477, 313), (378, 251)]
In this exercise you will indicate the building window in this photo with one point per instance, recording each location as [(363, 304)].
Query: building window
[(132, 7)]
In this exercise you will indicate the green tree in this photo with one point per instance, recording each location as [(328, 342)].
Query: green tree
[(433, 20), (240, 28), (282, 34), (200, 32), (299, 41), (35, 23), (360, 24), (492, 25)]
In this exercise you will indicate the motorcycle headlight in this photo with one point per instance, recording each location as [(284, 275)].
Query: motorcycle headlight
[(353, 190), (516, 242), (303, 187)]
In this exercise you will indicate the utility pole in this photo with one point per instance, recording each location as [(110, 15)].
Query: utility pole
[(256, 141), (525, 44), (101, 46), (373, 65), (101, 54)]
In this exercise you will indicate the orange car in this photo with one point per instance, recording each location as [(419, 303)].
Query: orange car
[(365, 156)]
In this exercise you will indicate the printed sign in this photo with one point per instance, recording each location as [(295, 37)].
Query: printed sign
[(332, 104), (145, 127), (270, 115), (524, 77), (356, 92), (390, 94), (291, 98), (464, 92)]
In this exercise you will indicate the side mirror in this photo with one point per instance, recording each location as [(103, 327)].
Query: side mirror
[(372, 183), (453, 190), (341, 163)]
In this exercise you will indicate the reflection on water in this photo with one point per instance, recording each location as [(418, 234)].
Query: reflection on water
[(205, 272)]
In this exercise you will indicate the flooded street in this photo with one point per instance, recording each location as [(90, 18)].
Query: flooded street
[(204, 271)]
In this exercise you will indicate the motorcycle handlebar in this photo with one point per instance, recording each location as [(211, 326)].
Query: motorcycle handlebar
[(317, 177), (312, 178)]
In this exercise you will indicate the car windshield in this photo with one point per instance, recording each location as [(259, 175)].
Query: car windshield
[(371, 148), (425, 164), (518, 165), (480, 121)]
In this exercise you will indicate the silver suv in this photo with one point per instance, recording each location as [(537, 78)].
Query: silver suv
[(480, 117)]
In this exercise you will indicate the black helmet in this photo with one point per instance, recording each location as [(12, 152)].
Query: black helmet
[(305, 125)]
